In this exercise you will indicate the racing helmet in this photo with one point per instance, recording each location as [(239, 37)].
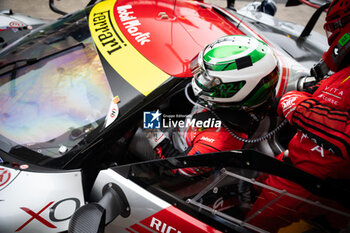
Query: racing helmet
[(237, 71), (337, 27), (268, 6)]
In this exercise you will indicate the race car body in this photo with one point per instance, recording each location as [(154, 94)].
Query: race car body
[(14, 26), (44, 204)]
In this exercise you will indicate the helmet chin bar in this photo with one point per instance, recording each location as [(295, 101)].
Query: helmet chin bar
[(337, 53), (215, 105)]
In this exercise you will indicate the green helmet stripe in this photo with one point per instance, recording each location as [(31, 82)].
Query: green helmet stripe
[(222, 67), (230, 50), (224, 51), (262, 93)]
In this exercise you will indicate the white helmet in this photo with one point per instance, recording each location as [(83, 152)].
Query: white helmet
[(235, 71)]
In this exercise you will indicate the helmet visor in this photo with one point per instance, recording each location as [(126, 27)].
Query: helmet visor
[(333, 27), (200, 73)]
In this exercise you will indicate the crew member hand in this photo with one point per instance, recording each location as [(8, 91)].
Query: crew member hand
[(289, 102), (155, 137)]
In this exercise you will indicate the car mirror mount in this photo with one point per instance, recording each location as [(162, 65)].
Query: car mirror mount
[(93, 217)]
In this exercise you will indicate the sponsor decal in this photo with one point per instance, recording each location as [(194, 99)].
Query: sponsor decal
[(24, 166), (332, 95), (112, 112), (319, 146), (344, 39), (15, 24), (211, 140), (52, 211), (118, 51), (37, 217), (288, 103), (160, 226), (328, 99), (155, 120), (107, 37), (131, 24), (171, 220), (334, 92), (5, 176)]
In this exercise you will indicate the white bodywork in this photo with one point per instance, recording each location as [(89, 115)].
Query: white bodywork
[(142, 203), (38, 202), (10, 20)]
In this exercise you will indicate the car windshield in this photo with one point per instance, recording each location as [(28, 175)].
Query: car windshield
[(53, 90)]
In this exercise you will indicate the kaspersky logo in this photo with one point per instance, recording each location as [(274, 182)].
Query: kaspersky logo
[(156, 120)]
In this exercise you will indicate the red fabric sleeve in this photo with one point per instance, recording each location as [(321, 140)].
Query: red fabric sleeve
[(329, 126), (289, 102), (210, 141)]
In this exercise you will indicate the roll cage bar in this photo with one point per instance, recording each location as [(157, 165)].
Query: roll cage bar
[(251, 160), (58, 11), (154, 176)]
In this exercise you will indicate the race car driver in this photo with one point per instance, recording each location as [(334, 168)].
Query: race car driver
[(321, 145), (234, 76)]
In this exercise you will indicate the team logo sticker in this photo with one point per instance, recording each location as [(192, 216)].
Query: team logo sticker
[(53, 216)]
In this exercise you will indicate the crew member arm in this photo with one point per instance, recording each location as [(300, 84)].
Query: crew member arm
[(330, 127)]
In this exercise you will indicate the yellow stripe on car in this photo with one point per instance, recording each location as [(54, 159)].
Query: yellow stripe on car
[(119, 52)]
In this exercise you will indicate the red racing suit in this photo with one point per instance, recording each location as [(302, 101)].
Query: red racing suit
[(321, 147), (192, 140)]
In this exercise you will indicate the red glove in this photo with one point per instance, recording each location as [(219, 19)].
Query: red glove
[(289, 102)]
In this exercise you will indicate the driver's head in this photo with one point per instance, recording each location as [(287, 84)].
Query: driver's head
[(237, 72), (337, 28)]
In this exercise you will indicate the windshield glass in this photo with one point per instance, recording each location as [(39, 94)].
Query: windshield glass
[(50, 102)]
